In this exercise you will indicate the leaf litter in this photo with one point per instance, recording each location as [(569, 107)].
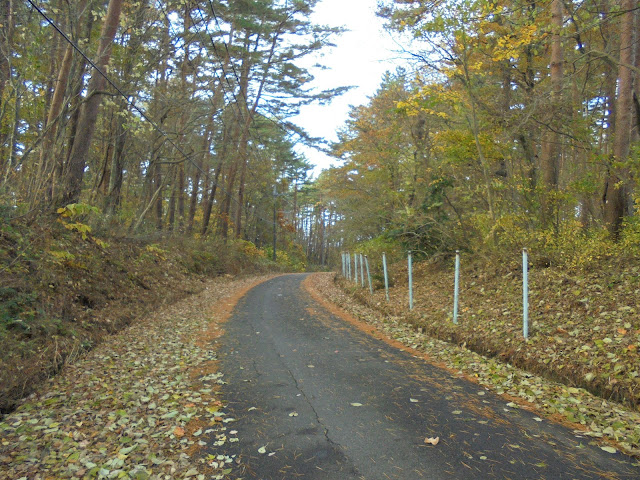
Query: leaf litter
[(592, 417), (140, 406)]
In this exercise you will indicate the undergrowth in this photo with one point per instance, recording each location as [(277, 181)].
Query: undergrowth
[(584, 314), (65, 284)]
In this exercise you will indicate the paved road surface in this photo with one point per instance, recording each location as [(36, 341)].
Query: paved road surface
[(328, 401)]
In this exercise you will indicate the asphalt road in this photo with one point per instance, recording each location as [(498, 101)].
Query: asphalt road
[(327, 401)]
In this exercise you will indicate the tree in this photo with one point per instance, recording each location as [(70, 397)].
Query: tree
[(617, 188), (550, 151), (89, 115)]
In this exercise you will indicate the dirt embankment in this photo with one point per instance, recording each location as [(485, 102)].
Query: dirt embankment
[(592, 417), (60, 293), (584, 327)]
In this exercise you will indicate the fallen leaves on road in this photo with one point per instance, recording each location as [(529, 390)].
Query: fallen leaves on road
[(432, 441), (139, 406), (599, 418)]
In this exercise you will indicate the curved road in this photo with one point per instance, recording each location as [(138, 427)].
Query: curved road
[(327, 401)]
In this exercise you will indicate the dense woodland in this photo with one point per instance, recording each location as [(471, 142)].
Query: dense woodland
[(165, 116), (514, 123), (146, 146)]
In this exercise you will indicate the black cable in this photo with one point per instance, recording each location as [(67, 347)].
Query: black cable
[(135, 107)]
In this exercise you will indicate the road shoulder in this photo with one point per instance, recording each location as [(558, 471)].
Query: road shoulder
[(609, 425), (141, 405)]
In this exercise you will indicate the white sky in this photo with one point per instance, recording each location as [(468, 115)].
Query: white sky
[(360, 58)]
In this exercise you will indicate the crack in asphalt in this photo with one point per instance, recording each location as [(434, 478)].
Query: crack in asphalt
[(304, 395), (280, 357), (325, 430), (313, 409), (255, 367)]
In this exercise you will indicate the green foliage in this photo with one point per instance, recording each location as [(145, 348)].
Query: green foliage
[(61, 256), (293, 263), (249, 249), (375, 247), (74, 212), (572, 246), (204, 262), (156, 252), (17, 310), (83, 229), (288, 260), (427, 230)]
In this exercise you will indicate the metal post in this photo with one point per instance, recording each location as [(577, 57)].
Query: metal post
[(362, 270), (456, 288), (525, 293), (386, 277), (410, 264), (344, 263), (275, 192), (366, 262), (355, 266), (350, 269)]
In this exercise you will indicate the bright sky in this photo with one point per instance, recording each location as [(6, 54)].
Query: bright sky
[(360, 58)]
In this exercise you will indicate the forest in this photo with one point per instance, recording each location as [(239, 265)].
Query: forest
[(513, 124), (150, 161), (168, 117)]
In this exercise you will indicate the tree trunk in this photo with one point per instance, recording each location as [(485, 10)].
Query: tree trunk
[(636, 82), (616, 190), (218, 98), (550, 151), (112, 197), (171, 215), (6, 41), (89, 115), (13, 137), (193, 202), (55, 110), (206, 218), (157, 180), (180, 187), (225, 213), (244, 82), (76, 84)]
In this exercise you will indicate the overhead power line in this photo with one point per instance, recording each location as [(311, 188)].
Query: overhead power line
[(132, 104)]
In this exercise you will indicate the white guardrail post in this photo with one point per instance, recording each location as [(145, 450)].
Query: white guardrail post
[(366, 262), (456, 288), (410, 265), (386, 275)]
